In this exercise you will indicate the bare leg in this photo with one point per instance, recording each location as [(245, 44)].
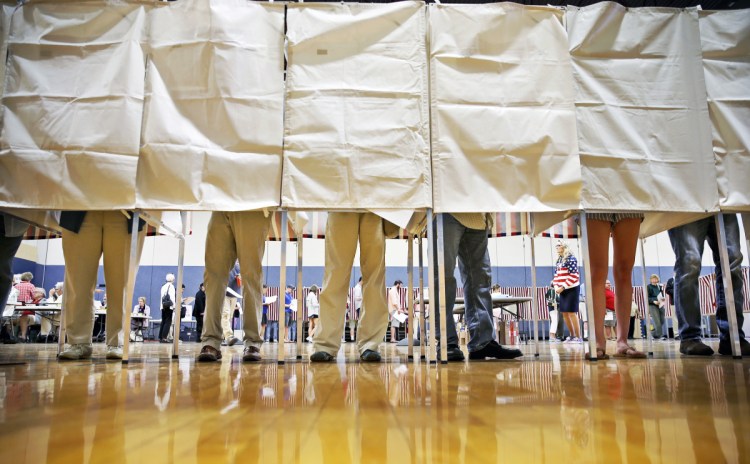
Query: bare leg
[(599, 255), (625, 240)]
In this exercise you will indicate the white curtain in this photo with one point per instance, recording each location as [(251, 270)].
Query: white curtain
[(644, 132), (72, 105), (503, 113), (213, 122), (356, 118), (725, 38)]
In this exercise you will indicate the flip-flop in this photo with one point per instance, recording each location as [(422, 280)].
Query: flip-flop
[(600, 354), (630, 353)]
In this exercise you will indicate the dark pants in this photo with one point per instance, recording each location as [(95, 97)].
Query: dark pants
[(631, 329), (199, 326), (166, 323), (8, 248)]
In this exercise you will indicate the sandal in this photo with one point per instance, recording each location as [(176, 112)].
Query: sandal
[(630, 353), (600, 354)]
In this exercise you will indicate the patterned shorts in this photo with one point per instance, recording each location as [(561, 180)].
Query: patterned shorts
[(614, 218)]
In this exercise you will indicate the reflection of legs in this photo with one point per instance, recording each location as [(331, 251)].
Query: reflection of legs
[(116, 248), (342, 231), (221, 253), (374, 314), (82, 251), (624, 242), (599, 261)]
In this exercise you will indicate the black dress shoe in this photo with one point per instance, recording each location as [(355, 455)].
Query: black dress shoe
[(209, 354), (370, 356), (695, 348), (251, 354), (455, 353), (725, 347), (495, 351), (321, 356)]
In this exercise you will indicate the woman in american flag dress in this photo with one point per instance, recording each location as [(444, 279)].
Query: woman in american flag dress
[(567, 284)]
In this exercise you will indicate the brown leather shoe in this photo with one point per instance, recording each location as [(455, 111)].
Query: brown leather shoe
[(209, 354), (251, 354)]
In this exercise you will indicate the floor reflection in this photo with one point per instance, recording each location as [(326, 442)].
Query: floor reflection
[(555, 407)]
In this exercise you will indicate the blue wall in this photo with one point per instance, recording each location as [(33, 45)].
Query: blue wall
[(150, 278)]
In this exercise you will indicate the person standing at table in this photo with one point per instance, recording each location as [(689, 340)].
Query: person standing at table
[(567, 285), (86, 236), (288, 315), (465, 240), (233, 237), (230, 301), (357, 302), (168, 295), (199, 308), (656, 307), (687, 242), (343, 231), (395, 309)]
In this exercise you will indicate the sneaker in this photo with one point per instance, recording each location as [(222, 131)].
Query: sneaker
[(494, 350), (114, 352), (567, 340), (251, 354), (725, 347), (309, 339), (233, 341), (80, 351), (370, 356), (663, 338), (321, 356), (554, 340), (695, 348), (209, 354)]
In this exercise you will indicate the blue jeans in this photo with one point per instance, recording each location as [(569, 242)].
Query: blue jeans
[(469, 246), (272, 331), (687, 243)]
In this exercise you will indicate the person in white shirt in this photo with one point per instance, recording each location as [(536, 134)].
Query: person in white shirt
[(167, 307), (357, 307), (313, 311), (394, 308)]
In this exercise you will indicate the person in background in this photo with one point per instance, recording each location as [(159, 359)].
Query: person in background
[(313, 311), (272, 324), (264, 317), (610, 322), (288, 314), (633, 314), (25, 296), (394, 308), (140, 309), (357, 296), (656, 307), (567, 285), (199, 308), (52, 322), (556, 324), (230, 301), (168, 295)]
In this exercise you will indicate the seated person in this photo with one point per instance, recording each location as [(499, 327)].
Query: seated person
[(141, 309)]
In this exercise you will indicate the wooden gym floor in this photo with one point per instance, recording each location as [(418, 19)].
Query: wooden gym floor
[(557, 408)]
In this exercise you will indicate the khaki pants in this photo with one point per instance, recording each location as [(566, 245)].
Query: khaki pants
[(231, 236), (102, 232), (227, 311), (342, 233)]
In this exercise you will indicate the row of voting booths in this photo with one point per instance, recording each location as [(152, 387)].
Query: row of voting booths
[(237, 105)]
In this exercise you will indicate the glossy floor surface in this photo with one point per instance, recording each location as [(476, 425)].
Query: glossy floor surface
[(554, 408)]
